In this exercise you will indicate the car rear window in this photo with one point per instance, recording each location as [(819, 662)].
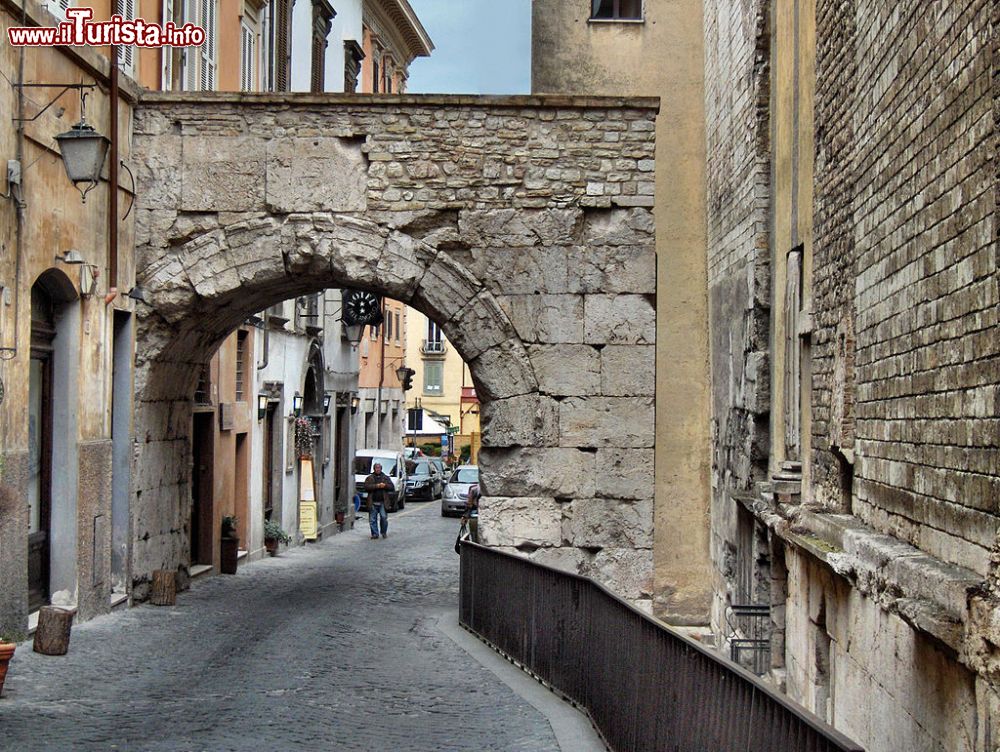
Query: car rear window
[(466, 475), (422, 468), (363, 465)]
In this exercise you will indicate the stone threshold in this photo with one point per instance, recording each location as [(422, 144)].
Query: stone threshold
[(929, 594)]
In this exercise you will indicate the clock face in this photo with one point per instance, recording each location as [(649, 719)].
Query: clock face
[(362, 307)]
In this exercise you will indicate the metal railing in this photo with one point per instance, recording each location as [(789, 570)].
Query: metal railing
[(433, 347), (644, 686)]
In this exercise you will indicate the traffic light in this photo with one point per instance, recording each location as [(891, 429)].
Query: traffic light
[(407, 378)]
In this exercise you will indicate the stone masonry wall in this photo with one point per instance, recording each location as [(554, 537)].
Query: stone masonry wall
[(738, 123), (906, 267), (522, 225)]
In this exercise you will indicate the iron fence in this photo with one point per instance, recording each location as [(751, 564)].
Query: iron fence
[(644, 686)]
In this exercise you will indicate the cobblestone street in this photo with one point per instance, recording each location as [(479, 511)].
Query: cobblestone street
[(333, 646)]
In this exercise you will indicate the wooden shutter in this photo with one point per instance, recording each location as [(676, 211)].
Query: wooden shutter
[(282, 48), (247, 57), (209, 51), (189, 59), (167, 53), (126, 53)]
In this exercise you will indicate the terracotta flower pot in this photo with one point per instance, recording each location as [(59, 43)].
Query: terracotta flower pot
[(271, 544), (6, 653)]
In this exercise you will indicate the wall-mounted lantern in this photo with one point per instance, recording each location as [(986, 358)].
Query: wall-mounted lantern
[(327, 398), (297, 405), (355, 403), (84, 151), (262, 400)]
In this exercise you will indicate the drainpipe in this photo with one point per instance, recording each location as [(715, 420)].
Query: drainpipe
[(113, 177)]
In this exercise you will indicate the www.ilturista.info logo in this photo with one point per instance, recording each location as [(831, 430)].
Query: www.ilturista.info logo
[(80, 30)]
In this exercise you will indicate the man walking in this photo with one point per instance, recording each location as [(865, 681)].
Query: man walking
[(379, 486)]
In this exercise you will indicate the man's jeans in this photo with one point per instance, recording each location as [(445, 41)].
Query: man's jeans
[(377, 512)]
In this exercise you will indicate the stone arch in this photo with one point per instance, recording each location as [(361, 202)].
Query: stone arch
[(522, 226)]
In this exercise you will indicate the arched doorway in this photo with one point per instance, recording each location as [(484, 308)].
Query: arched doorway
[(52, 481)]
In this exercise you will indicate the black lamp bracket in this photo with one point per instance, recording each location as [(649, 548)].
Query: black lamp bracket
[(81, 87)]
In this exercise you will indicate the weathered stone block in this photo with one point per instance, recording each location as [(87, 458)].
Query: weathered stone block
[(545, 318), (566, 370), (480, 325), (628, 370), (625, 474), (619, 320), (528, 420), (317, 173), (608, 523), (514, 228), (503, 371), (617, 227), (223, 173), (628, 572), (518, 521), (445, 282), (555, 472), (606, 421)]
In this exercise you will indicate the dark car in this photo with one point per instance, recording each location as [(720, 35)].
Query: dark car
[(423, 481)]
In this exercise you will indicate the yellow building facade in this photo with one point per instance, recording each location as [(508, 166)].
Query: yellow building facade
[(442, 382)]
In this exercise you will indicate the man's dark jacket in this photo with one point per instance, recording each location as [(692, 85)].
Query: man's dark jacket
[(379, 495)]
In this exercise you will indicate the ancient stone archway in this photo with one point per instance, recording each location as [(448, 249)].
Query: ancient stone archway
[(521, 225)]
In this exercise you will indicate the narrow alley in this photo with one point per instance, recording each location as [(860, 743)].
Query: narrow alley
[(343, 645)]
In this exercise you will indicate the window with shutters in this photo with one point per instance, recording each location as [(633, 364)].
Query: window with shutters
[(126, 53), (209, 17), (248, 57)]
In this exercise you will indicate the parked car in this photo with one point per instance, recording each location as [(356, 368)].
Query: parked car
[(393, 465), (457, 490), (423, 481), (412, 453)]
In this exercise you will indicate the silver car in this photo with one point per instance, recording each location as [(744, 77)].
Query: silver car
[(456, 491)]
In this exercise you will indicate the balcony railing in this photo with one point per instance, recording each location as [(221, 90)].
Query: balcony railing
[(433, 347), (644, 686)]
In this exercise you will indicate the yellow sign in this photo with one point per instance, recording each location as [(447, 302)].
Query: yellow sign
[(308, 509), (307, 520)]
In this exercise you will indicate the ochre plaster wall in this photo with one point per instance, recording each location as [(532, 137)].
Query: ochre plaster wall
[(664, 57)]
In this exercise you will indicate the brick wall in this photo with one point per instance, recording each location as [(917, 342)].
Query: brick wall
[(906, 262)]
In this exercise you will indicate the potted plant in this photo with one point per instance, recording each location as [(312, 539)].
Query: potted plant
[(8, 644), (230, 545), (273, 535)]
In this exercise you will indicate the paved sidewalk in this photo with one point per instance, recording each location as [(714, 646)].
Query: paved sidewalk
[(336, 646)]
